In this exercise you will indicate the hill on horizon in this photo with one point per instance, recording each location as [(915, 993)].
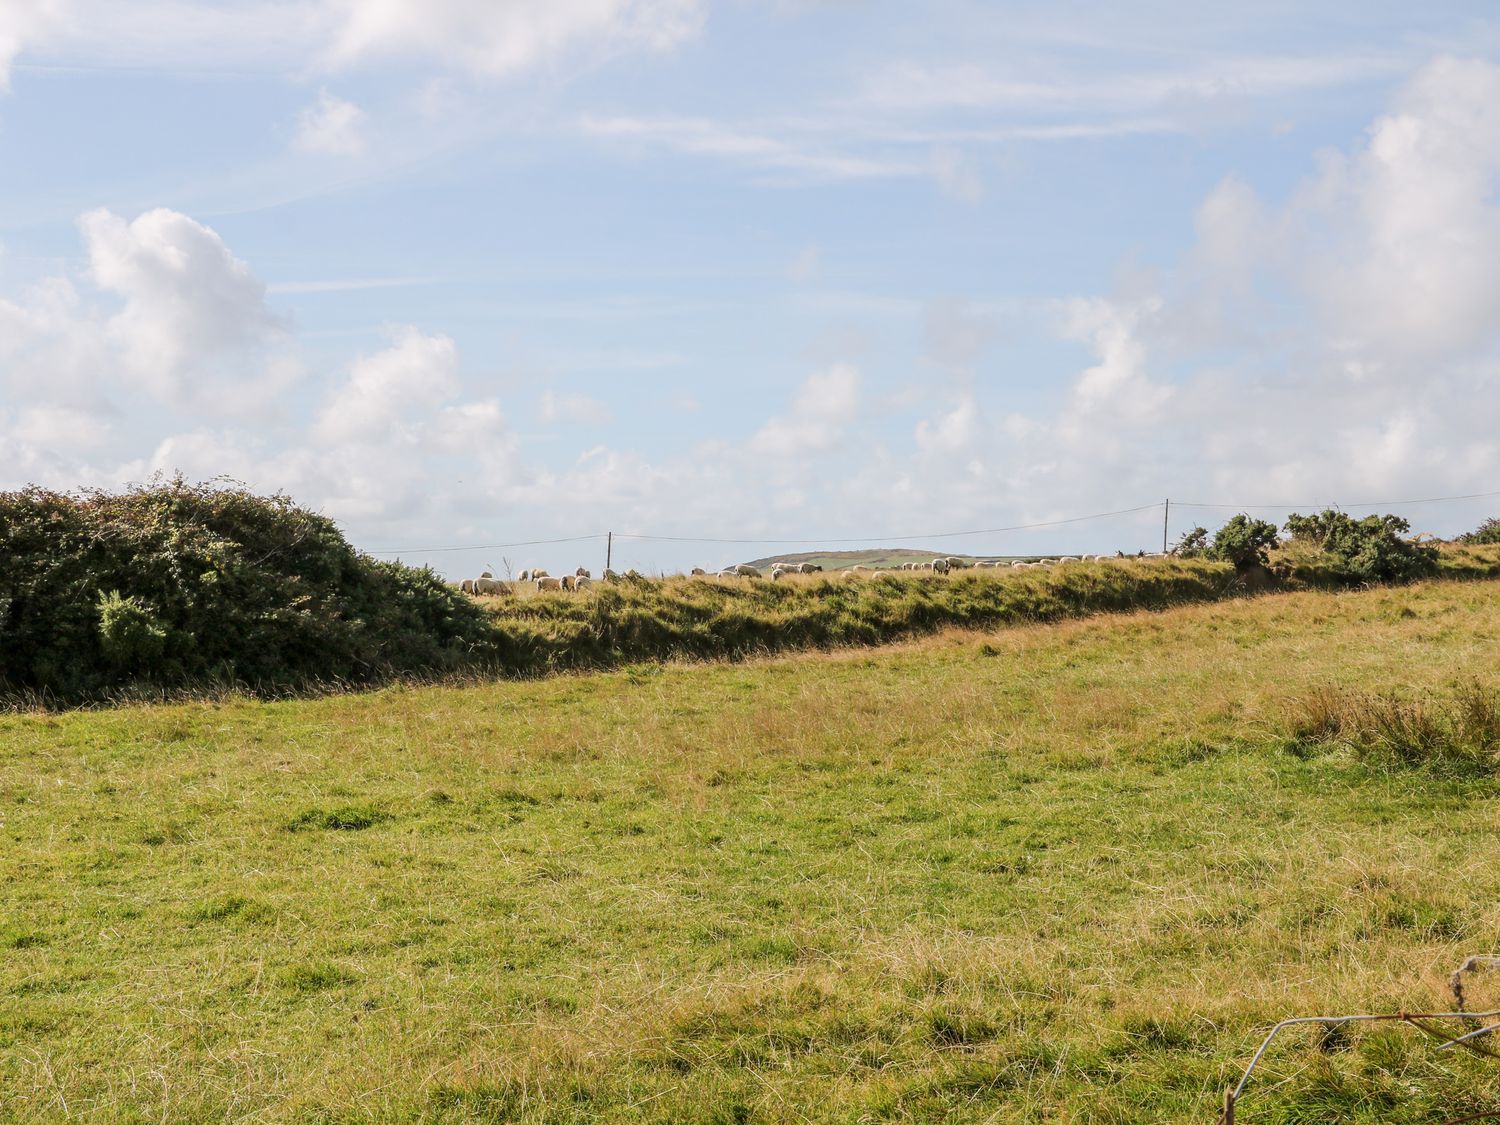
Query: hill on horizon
[(873, 556)]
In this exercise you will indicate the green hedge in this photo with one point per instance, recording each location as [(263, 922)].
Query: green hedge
[(177, 585), (180, 588)]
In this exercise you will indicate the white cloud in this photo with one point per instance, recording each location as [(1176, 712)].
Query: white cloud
[(918, 87), (22, 22), (496, 38), (574, 407), (386, 391), (331, 127), (956, 174), (703, 137), (191, 308), (823, 406), (952, 432)]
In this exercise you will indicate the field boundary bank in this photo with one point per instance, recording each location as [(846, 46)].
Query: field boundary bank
[(686, 620)]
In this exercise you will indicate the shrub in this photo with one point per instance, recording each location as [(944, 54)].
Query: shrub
[(1373, 549), (174, 584), (129, 634), (1245, 542), (1193, 544), (1487, 532)]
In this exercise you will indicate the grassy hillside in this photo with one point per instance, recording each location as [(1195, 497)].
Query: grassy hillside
[(1063, 872)]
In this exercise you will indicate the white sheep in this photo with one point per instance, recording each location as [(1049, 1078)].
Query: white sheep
[(490, 586), (940, 566), (582, 572), (582, 582), (545, 582), (524, 576), (745, 570), (466, 586)]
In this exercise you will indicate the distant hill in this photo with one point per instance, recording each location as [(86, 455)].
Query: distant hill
[(872, 556)]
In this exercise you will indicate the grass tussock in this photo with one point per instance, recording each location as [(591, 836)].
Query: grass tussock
[(1453, 732)]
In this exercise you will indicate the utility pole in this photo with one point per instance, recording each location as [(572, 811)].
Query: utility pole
[(1166, 514), (609, 550)]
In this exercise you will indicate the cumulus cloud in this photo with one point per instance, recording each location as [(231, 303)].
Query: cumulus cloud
[(386, 390), (823, 406), (331, 126), (192, 310)]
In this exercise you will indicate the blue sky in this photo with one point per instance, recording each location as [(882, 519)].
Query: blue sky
[(476, 272)]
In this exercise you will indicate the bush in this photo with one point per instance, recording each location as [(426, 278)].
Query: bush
[(129, 634), (1244, 542), (1487, 532), (174, 584), (1373, 549), (1193, 544)]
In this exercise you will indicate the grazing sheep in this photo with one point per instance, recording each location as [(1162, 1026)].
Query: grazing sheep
[(956, 563), (545, 582), (466, 586), (778, 573), (583, 572), (490, 586), (540, 573), (698, 570), (524, 576), (582, 582), (745, 570), (940, 566), (811, 568), (568, 581)]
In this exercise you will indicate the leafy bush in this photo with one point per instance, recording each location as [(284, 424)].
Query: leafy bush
[(129, 634), (1193, 544), (1487, 532), (1244, 542), (1373, 549), (175, 584)]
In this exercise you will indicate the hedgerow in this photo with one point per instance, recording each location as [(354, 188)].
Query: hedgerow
[(174, 584), (178, 588)]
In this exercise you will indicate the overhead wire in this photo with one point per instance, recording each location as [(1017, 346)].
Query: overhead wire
[(646, 537)]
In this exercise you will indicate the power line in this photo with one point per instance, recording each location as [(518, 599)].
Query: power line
[(648, 538), (487, 546), (1346, 504), (888, 538)]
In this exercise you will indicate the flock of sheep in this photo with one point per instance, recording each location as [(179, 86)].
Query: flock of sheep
[(582, 578)]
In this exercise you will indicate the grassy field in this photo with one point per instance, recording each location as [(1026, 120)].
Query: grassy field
[(1062, 873)]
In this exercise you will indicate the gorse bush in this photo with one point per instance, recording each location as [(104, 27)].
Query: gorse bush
[(1244, 542), (1373, 549), (175, 584), (1487, 532)]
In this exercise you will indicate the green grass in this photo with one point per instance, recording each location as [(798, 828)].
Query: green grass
[(1063, 872)]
